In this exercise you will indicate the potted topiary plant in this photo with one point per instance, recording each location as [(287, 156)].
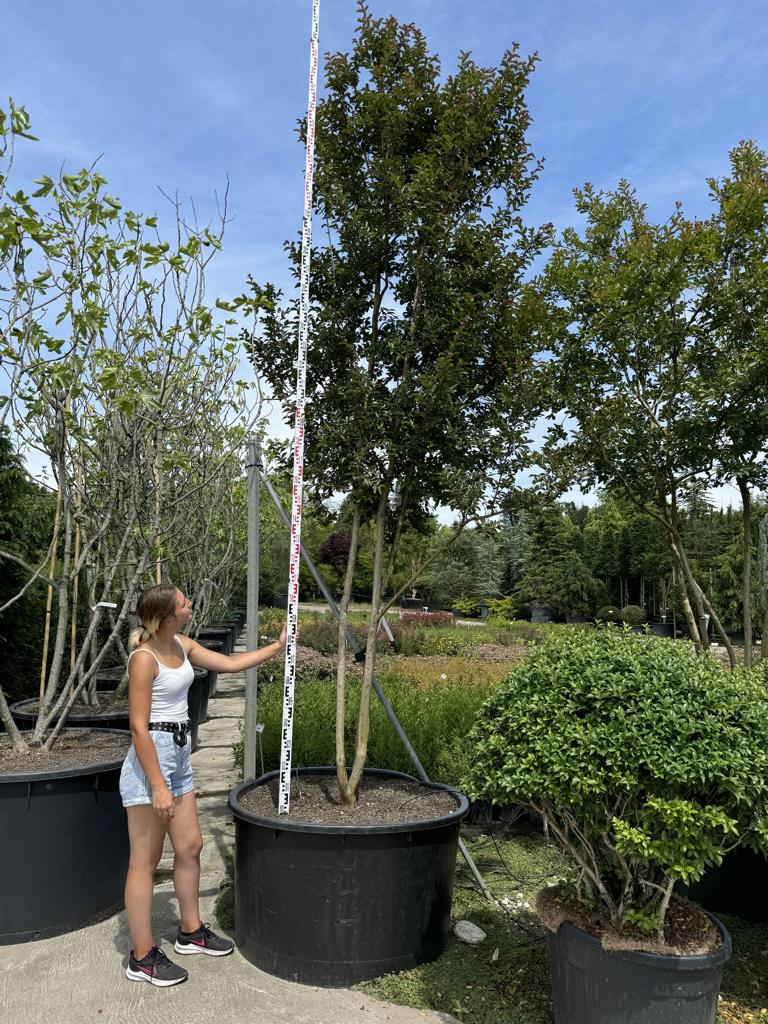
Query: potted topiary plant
[(634, 616), (646, 765), (609, 614)]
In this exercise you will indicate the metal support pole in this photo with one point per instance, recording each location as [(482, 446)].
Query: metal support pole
[(254, 467), (357, 651)]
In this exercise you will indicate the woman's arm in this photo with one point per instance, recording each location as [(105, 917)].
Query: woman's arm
[(204, 658), (141, 675)]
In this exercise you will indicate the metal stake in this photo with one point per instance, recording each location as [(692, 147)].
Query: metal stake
[(254, 467)]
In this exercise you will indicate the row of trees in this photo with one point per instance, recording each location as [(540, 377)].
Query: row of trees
[(435, 352), (123, 380)]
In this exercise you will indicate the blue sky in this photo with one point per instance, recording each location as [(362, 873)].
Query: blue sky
[(182, 95)]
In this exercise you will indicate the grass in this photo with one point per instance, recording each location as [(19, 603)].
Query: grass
[(505, 978)]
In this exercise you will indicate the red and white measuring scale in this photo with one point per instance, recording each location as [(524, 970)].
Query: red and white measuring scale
[(289, 679)]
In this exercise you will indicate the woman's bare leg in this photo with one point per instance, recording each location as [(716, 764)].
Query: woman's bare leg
[(184, 830), (147, 835)]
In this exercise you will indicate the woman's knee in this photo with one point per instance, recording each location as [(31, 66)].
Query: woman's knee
[(144, 862), (189, 848)]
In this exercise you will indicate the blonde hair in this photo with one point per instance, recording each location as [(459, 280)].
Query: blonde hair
[(153, 607)]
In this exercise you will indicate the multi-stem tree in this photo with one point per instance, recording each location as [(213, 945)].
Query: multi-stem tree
[(423, 335), (648, 392), (119, 377)]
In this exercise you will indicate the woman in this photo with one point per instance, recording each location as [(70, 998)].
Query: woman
[(156, 780)]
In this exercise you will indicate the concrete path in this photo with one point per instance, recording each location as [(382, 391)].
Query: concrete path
[(79, 978)]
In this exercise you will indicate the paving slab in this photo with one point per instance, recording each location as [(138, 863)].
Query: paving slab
[(229, 686), (226, 707), (79, 978), (218, 732)]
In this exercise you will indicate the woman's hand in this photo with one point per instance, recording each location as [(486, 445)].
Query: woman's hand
[(283, 636), (162, 801)]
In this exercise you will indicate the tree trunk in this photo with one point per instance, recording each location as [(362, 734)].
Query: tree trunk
[(341, 668), (746, 569), (364, 713)]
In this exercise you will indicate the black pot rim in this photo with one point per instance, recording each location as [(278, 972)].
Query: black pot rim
[(357, 830), (68, 773), (80, 716), (666, 961)]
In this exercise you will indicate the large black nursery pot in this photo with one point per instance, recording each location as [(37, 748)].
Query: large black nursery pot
[(213, 677), (333, 905), (24, 713), (218, 634), (63, 850), (195, 702), (109, 678), (738, 886), (593, 986), (665, 629)]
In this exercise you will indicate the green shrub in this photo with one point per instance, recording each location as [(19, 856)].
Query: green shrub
[(468, 606), (633, 615), (608, 613), (502, 611), (436, 719), (646, 762)]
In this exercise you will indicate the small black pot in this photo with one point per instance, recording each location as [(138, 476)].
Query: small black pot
[(333, 905), (593, 986), (25, 716), (63, 850)]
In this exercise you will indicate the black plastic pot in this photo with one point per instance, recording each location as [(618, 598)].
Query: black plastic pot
[(197, 690), (232, 633), (109, 678), (738, 886), (213, 676), (592, 986), (662, 629), (541, 613), (25, 716), (333, 905), (220, 634), (63, 850)]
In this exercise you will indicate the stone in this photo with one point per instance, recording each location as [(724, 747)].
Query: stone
[(468, 932)]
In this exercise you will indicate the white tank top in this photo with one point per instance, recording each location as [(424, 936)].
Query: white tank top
[(169, 689)]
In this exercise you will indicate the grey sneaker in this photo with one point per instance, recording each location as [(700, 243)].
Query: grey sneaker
[(203, 941), (155, 968)]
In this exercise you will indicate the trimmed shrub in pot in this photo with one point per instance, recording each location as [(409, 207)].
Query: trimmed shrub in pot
[(647, 765), (633, 615), (609, 613)]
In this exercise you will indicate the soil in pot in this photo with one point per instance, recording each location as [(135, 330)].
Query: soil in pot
[(76, 748), (315, 798), (110, 713)]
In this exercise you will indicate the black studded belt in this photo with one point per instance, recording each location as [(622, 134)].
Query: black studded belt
[(180, 730)]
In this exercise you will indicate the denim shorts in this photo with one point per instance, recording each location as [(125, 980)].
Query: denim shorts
[(174, 764)]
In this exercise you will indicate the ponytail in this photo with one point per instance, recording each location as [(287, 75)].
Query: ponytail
[(138, 636)]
